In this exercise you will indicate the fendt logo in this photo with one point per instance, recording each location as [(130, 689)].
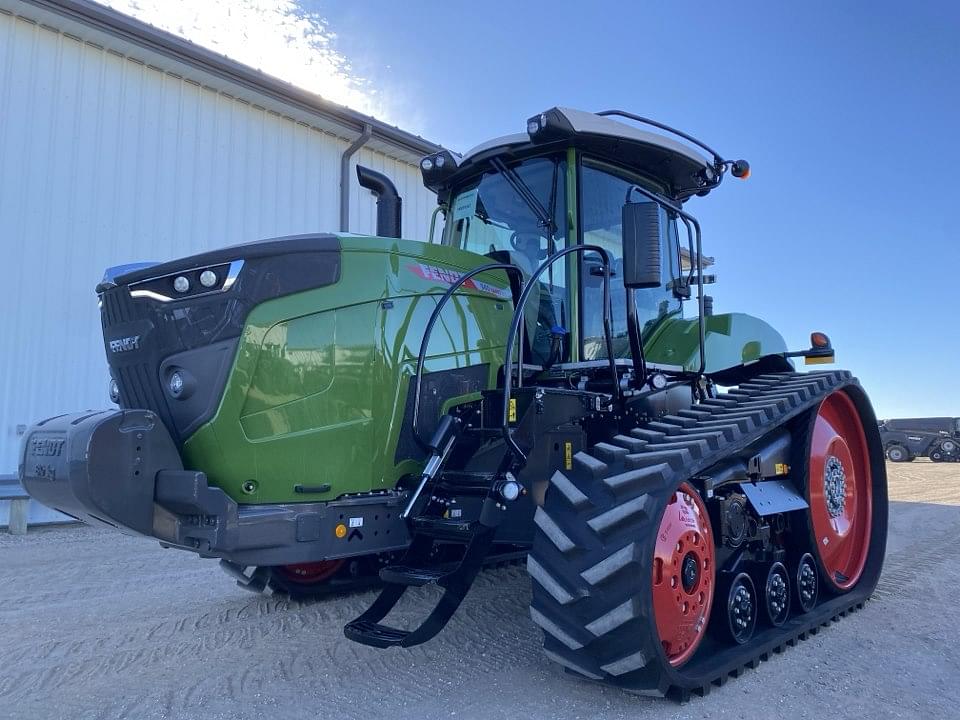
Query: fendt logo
[(46, 447), (125, 344)]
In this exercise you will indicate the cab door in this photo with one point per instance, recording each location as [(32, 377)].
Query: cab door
[(603, 190)]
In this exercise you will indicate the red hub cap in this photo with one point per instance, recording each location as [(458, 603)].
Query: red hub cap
[(840, 491), (311, 573), (683, 575)]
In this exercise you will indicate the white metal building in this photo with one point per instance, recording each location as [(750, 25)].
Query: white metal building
[(122, 143)]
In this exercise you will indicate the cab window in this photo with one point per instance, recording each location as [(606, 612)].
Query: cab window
[(493, 218), (603, 192)]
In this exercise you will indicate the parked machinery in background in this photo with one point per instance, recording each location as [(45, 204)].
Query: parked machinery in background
[(905, 439)]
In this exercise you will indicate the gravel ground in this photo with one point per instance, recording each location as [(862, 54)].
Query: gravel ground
[(98, 625)]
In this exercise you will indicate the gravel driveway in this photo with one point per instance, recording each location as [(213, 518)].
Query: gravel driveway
[(94, 624)]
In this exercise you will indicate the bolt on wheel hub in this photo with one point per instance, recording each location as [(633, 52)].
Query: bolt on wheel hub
[(835, 486), (742, 608), (690, 572), (778, 594)]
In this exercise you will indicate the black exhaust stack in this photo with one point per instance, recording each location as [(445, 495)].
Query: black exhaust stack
[(388, 200)]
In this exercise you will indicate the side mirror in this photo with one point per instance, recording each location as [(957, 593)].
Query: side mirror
[(641, 245)]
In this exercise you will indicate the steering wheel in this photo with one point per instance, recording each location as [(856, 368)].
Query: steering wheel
[(527, 243)]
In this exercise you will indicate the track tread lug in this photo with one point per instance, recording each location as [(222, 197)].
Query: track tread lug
[(571, 665), (711, 437), (615, 618), (694, 414), (720, 402), (557, 591), (696, 448), (571, 492), (627, 664), (607, 453), (731, 429), (550, 627), (632, 444), (644, 478), (609, 520), (650, 436), (610, 565), (675, 459), (586, 463), (680, 420), (550, 528), (665, 428)]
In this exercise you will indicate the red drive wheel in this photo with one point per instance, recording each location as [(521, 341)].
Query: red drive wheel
[(311, 573), (839, 491), (683, 575)]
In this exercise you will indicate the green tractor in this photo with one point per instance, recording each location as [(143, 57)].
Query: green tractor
[(322, 412)]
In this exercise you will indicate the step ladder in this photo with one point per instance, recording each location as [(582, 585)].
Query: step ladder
[(416, 569)]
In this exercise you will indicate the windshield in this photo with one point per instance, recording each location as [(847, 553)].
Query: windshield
[(603, 192), (520, 217), (493, 215)]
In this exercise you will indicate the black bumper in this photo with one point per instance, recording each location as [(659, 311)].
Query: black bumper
[(121, 468)]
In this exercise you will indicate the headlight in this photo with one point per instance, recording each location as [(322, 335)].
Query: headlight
[(208, 278), (114, 391), (509, 489), (175, 383), (181, 284), (426, 164)]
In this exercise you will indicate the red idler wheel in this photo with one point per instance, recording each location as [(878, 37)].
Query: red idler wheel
[(839, 491), (683, 575), (311, 573)]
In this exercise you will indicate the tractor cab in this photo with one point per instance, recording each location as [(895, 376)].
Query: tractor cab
[(568, 181)]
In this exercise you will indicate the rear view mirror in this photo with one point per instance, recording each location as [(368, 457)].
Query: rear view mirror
[(641, 245)]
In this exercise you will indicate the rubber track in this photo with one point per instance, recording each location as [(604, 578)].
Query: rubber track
[(590, 561)]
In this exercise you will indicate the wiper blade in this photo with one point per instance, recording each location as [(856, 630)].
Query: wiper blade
[(526, 194)]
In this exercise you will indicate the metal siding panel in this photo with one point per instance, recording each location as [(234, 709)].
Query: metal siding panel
[(106, 160)]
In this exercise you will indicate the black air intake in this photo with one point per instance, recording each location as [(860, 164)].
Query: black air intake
[(388, 200)]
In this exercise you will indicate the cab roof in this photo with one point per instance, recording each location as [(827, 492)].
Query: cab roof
[(675, 164)]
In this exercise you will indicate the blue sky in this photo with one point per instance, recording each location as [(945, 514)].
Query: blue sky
[(845, 111), (847, 116)]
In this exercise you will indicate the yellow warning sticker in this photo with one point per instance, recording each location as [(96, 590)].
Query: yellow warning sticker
[(819, 360), (781, 468), (512, 417), (568, 456)]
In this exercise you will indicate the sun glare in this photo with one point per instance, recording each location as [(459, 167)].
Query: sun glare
[(277, 37)]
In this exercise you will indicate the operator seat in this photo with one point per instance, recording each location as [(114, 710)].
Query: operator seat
[(537, 330)]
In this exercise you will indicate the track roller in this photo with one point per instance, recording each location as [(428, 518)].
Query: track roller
[(737, 604), (776, 594), (806, 582)]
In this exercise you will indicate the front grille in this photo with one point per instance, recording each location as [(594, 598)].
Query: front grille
[(147, 337), (136, 372)]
